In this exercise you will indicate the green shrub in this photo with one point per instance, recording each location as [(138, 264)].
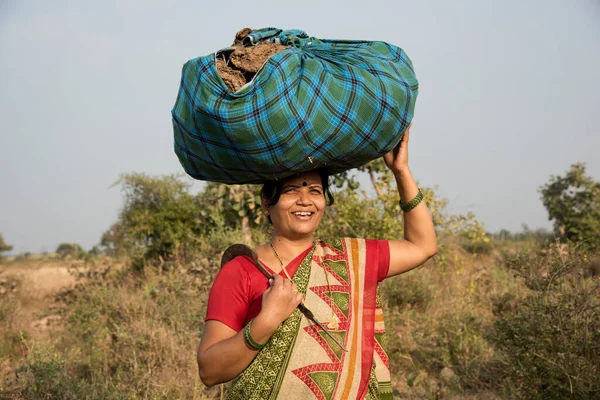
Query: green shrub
[(138, 331), (573, 204), (437, 318), (46, 375), (409, 291), (70, 249), (476, 245), (551, 339), (4, 247)]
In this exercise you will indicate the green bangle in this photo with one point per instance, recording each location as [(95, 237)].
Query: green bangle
[(250, 341), (413, 203)]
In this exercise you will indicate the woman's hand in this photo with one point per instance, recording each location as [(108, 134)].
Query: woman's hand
[(397, 159), (419, 242), (279, 300)]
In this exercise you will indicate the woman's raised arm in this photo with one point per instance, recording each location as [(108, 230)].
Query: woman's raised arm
[(419, 242)]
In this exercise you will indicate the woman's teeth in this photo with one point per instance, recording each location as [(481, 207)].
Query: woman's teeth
[(303, 213)]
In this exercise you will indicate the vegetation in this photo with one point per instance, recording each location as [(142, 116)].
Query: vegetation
[(72, 250), (4, 247), (552, 339), (573, 203), (504, 315), (129, 336)]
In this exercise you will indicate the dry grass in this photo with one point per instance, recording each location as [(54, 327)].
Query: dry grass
[(127, 336), (132, 335), (438, 318)]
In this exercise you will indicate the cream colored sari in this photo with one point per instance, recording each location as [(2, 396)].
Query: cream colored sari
[(300, 361)]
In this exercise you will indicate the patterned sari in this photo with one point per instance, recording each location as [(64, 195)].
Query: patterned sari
[(300, 361)]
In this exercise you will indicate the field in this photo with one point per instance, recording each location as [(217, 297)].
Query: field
[(491, 316), (103, 330)]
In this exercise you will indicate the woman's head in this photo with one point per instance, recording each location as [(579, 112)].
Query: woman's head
[(295, 205)]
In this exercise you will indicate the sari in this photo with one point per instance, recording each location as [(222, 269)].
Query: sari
[(300, 361)]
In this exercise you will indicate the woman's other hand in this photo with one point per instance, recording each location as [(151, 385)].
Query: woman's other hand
[(419, 242), (223, 354), (279, 300), (397, 159)]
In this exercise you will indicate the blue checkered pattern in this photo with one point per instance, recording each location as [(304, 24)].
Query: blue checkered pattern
[(334, 104)]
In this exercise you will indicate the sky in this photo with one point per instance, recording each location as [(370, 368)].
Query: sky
[(509, 95)]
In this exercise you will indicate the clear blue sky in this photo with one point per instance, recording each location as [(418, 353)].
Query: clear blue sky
[(509, 95)]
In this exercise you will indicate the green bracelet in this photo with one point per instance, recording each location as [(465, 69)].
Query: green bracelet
[(413, 203), (250, 341)]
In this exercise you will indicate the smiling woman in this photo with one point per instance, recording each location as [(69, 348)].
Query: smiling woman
[(255, 333), (303, 196)]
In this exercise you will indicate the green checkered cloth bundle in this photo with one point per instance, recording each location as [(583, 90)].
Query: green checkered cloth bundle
[(334, 104)]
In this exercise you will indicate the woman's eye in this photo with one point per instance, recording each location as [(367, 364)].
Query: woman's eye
[(316, 191)]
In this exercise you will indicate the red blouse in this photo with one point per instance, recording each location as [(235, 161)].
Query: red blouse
[(236, 295)]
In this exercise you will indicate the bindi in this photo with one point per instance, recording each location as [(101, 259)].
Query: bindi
[(304, 183)]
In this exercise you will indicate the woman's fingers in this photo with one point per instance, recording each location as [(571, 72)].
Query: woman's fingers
[(298, 296), (284, 284), (281, 298), (285, 290), (406, 136), (297, 299), (279, 282)]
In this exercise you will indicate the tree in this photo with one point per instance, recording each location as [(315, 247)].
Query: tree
[(234, 207), (113, 240), (69, 249), (159, 220), (4, 246), (573, 203), (355, 214)]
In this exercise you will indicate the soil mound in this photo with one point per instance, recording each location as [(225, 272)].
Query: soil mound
[(239, 66)]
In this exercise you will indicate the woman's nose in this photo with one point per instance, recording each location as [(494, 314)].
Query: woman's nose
[(304, 197)]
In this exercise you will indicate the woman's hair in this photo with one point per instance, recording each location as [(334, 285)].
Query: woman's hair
[(271, 190)]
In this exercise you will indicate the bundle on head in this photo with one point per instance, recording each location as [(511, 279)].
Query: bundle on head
[(239, 66), (278, 102)]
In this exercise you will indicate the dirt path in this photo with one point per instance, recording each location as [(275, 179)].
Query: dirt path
[(33, 286)]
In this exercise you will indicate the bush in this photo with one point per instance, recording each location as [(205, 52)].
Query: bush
[(72, 250), (552, 338), (406, 292), (437, 319), (138, 332), (4, 247), (573, 204), (159, 220), (45, 375), (127, 335), (162, 222)]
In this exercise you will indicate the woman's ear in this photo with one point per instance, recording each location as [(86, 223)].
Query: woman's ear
[(264, 206)]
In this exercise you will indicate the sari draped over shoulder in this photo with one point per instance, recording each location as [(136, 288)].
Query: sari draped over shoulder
[(300, 361)]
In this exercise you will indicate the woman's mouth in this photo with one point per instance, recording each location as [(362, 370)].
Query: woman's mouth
[(304, 215)]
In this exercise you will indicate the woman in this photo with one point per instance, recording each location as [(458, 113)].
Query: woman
[(254, 331)]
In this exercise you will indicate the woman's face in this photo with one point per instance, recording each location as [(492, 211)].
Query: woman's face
[(300, 208)]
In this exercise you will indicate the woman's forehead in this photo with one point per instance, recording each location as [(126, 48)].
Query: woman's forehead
[(304, 179)]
